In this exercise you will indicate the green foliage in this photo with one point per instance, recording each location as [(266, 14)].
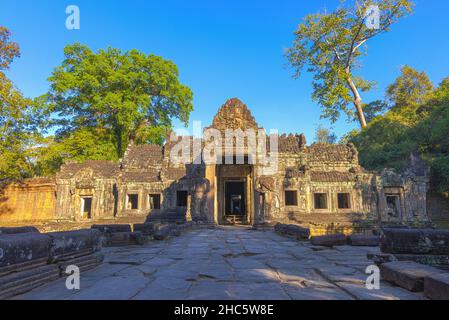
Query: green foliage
[(418, 122), (81, 145), (18, 118), (324, 135), (128, 95), (98, 104), (410, 90), (374, 109), (330, 45)]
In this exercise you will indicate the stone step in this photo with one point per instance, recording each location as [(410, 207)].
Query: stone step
[(407, 274), (436, 287)]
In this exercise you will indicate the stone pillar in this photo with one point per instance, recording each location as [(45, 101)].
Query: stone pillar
[(212, 210), (189, 208)]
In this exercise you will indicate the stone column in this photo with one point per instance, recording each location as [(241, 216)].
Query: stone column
[(212, 210), (189, 208)]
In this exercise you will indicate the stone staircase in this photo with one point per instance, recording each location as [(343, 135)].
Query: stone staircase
[(170, 216)]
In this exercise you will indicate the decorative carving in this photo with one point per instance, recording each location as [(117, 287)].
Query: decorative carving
[(265, 184), (292, 143), (234, 115), (294, 173)]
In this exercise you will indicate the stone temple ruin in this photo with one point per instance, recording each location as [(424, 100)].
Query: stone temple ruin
[(318, 198), (321, 186)]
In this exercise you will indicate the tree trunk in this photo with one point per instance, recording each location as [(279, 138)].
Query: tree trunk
[(357, 103)]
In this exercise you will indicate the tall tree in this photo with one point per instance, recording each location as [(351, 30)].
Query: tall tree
[(123, 92), (9, 50), (330, 45), (17, 125), (411, 88)]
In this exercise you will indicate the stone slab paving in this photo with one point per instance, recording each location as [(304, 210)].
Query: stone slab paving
[(226, 264)]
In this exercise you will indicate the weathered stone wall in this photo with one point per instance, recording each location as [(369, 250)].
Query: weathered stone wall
[(438, 209), (121, 190), (29, 200)]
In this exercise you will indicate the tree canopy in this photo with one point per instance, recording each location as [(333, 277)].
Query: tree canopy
[(127, 95), (418, 122), (330, 45), (18, 118)]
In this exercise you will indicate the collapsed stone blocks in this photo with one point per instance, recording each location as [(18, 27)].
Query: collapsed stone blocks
[(148, 228), (112, 228), (159, 231), (116, 235), (74, 243), (79, 248), (415, 241), (436, 287), (329, 240), (295, 231), (22, 248), (363, 241), (29, 260), (407, 274), (17, 230), (426, 246)]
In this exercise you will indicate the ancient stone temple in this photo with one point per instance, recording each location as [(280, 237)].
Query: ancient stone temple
[(321, 186)]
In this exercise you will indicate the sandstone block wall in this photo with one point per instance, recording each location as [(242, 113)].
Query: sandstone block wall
[(30, 200)]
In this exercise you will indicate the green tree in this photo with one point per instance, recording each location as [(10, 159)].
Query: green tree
[(374, 109), (18, 129), (9, 50), (324, 135), (389, 140), (330, 45), (131, 95), (410, 88)]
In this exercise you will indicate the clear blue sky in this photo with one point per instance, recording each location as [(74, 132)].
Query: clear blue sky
[(223, 48)]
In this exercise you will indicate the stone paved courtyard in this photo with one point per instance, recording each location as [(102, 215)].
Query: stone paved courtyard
[(227, 263)]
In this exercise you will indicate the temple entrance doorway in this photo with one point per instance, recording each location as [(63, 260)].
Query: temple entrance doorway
[(235, 201)]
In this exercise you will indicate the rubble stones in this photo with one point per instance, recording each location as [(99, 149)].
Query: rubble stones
[(148, 228), (110, 228), (363, 241), (406, 274), (70, 242), (329, 240), (18, 230), (292, 230), (21, 248), (415, 241)]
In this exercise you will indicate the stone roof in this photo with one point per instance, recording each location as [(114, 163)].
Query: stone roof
[(174, 173), (143, 156), (99, 168), (333, 153), (333, 176), (141, 176)]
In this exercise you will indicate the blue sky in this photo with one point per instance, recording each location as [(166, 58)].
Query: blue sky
[(223, 48)]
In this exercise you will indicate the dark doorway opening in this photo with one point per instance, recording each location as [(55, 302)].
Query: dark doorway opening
[(235, 197), (87, 207), (154, 201), (181, 199), (133, 202)]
